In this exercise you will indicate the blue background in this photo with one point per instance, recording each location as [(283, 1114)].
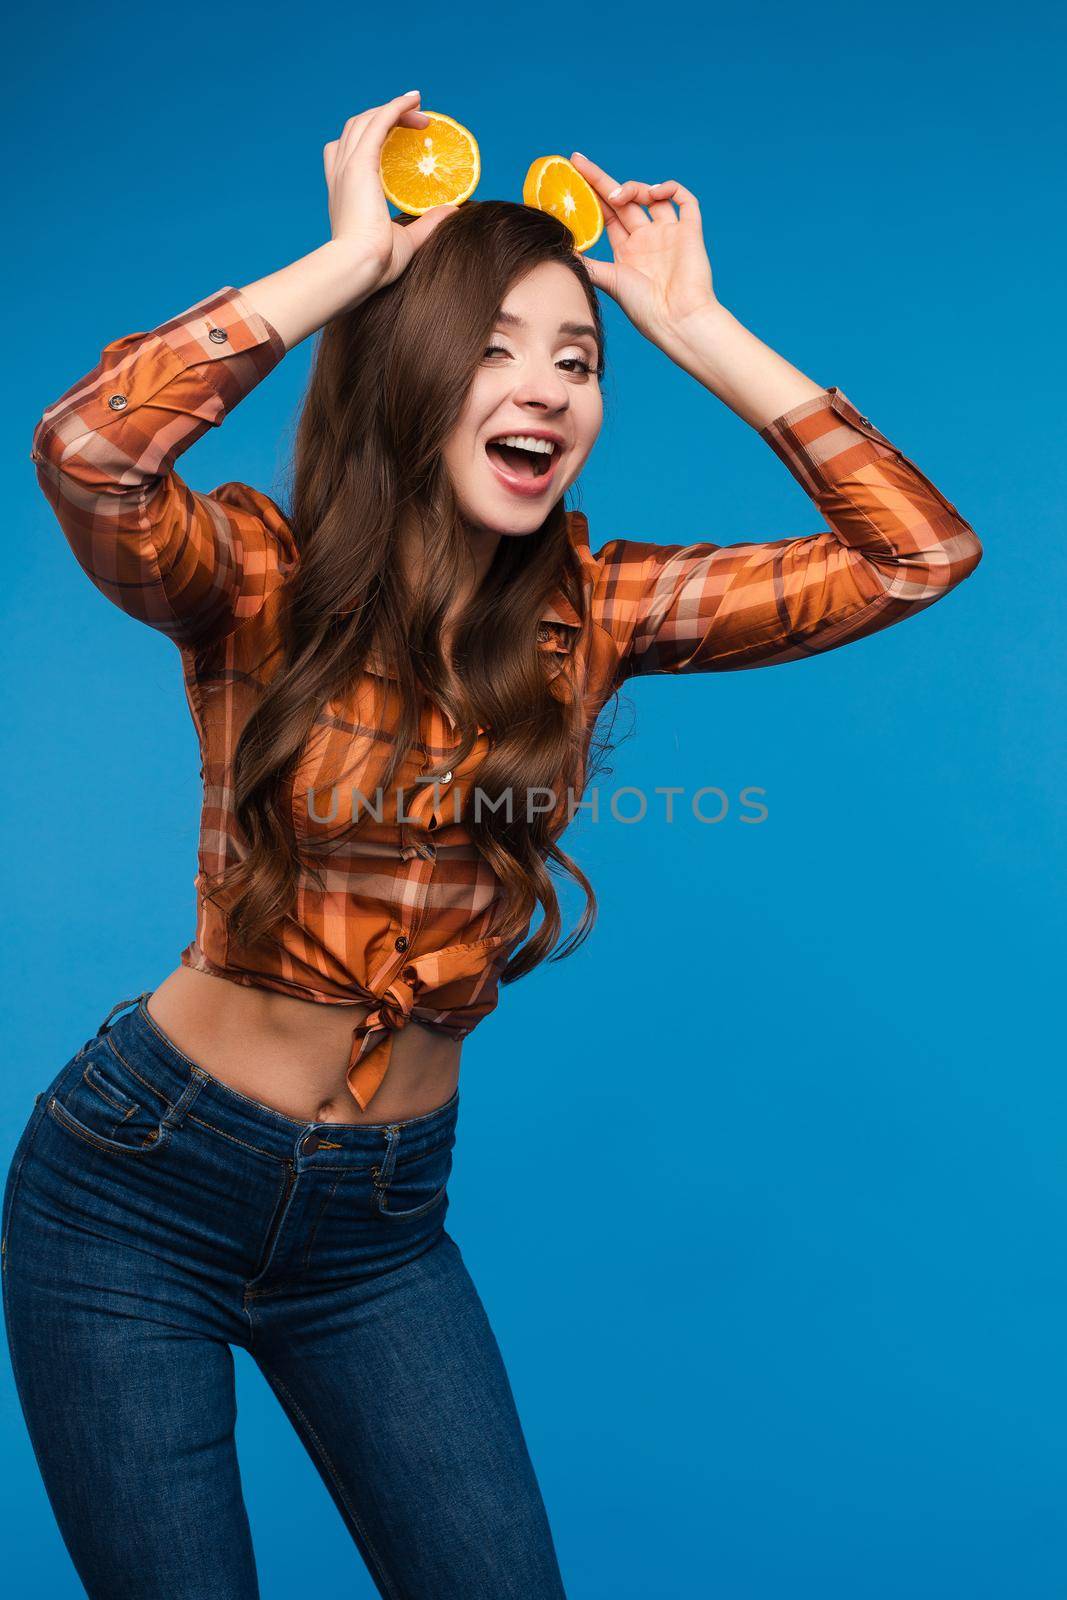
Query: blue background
[(764, 1189)]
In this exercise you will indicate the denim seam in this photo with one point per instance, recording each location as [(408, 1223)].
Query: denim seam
[(290, 1179), (9, 1321), (392, 1593), (319, 1166), (127, 1108), (421, 1155), (416, 1211), (407, 1122), (59, 1113), (257, 1105), (319, 1216), (232, 1137), (15, 1180), (153, 1089), (166, 1041)]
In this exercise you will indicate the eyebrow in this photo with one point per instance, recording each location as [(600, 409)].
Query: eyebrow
[(575, 329)]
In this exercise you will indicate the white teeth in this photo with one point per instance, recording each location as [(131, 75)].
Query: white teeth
[(523, 441)]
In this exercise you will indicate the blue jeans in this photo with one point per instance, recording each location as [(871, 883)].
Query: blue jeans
[(153, 1217)]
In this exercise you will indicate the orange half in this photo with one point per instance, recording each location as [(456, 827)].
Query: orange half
[(553, 184), (433, 166)]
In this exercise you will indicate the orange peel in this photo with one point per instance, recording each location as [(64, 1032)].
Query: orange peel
[(555, 185)]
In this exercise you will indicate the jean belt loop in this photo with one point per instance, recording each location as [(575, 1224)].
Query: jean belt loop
[(385, 1172), (106, 1024), (176, 1114)]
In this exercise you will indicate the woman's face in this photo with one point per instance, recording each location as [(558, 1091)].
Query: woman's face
[(537, 384)]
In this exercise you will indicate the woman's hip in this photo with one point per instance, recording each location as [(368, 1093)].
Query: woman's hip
[(134, 1149)]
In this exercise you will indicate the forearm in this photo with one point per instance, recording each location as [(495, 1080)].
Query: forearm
[(299, 299), (746, 374)]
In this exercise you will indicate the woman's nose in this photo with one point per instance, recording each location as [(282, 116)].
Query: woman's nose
[(545, 390)]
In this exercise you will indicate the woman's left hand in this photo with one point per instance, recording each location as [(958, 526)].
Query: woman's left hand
[(660, 273)]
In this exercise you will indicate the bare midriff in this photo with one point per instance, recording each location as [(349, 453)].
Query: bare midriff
[(292, 1055)]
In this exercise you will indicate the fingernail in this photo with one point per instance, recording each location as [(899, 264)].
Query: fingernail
[(615, 191), (409, 91)]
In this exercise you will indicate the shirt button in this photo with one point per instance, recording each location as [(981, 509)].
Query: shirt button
[(401, 942), (447, 778), (117, 402), (866, 421), (218, 335)]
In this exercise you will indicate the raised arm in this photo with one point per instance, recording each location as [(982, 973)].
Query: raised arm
[(894, 543), (196, 566), (191, 565)]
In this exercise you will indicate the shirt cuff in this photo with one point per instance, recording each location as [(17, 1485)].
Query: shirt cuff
[(222, 324), (824, 440), (227, 343)]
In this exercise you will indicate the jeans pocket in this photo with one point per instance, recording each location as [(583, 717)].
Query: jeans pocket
[(411, 1187), (103, 1102)]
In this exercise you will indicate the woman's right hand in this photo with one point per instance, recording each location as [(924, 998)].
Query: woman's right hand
[(359, 211)]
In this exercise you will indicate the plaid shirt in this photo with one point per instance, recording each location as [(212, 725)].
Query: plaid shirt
[(401, 914)]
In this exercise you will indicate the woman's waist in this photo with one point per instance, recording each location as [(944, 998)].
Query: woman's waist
[(292, 1054)]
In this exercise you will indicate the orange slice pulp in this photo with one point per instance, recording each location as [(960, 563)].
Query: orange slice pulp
[(432, 166), (553, 184)]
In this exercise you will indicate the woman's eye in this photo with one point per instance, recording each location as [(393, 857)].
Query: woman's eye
[(572, 363)]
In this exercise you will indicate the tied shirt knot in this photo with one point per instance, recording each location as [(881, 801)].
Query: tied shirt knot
[(392, 1010)]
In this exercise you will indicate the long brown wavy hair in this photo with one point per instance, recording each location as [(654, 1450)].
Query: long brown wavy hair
[(388, 383)]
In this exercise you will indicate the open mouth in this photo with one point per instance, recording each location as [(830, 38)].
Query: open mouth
[(522, 457)]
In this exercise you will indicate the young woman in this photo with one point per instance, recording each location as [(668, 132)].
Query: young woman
[(394, 687)]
